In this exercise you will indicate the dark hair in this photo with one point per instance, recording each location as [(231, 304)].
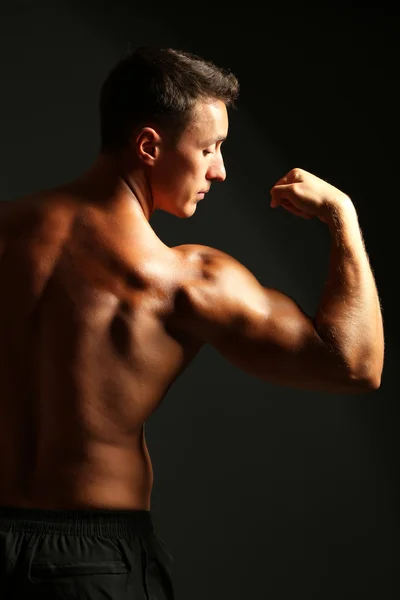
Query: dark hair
[(160, 86)]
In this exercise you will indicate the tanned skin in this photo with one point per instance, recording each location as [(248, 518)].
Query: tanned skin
[(98, 317)]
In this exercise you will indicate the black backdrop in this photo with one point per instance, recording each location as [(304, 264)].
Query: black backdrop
[(260, 491)]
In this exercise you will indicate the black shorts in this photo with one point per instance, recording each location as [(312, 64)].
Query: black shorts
[(82, 555)]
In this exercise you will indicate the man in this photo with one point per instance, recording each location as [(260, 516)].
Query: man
[(99, 317)]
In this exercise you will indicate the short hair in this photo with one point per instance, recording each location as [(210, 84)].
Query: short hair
[(160, 86)]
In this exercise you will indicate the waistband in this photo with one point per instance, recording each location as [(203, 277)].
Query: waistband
[(76, 521)]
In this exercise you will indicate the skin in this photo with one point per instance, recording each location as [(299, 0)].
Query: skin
[(98, 318), (90, 271)]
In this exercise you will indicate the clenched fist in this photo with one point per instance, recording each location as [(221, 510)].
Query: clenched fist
[(306, 195)]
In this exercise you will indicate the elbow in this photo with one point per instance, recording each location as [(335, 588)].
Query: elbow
[(372, 384), (366, 375), (369, 382)]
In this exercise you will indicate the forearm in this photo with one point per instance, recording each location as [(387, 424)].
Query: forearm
[(349, 317)]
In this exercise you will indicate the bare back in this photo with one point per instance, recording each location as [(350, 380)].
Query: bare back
[(98, 318), (86, 354)]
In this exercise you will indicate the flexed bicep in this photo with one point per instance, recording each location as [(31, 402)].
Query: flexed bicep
[(260, 330)]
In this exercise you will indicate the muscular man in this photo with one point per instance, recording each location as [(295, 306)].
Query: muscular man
[(98, 318)]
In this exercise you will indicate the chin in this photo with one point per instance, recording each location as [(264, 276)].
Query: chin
[(182, 212), (190, 210), (186, 215)]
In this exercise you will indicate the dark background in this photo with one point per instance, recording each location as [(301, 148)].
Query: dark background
[(260, 491)]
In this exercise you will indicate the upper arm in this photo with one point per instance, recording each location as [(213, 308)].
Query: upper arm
[(260, 330)]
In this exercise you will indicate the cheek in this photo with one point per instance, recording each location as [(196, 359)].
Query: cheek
[(165, 175), (180, 174), (188, 174)]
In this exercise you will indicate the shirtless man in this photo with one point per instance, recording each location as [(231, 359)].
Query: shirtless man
[(98, 318)]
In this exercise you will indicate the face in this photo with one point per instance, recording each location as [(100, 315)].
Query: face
[(182, 175)]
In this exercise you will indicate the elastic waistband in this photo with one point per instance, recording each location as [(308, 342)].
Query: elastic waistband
[(76, 521)]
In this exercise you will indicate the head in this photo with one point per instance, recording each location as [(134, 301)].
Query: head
[(164, 116)]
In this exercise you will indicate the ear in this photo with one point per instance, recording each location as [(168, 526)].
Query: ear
[(148, 145)]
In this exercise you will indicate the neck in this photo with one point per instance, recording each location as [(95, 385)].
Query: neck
[(108, 181)]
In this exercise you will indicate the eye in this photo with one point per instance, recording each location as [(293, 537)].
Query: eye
[(206, 152)]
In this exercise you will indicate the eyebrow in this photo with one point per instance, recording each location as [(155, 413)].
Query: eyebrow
[(214, 141)]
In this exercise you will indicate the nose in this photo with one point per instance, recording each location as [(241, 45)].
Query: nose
[(217, 171)]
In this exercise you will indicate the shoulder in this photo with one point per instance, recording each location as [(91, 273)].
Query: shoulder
[(210, 262), (219, 283), (22, 209), (35, 217), (215, 266), (12, 214)]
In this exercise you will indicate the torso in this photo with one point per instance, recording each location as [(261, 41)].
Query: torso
[(87, 352)]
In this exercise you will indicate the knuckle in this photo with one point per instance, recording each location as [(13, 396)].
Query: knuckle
[(296, 173)]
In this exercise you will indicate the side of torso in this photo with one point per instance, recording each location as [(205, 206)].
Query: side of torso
[(86, 354)]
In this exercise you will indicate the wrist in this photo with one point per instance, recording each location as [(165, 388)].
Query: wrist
[(342, 208)]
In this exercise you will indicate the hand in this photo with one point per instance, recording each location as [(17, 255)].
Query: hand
[(307, 196)]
